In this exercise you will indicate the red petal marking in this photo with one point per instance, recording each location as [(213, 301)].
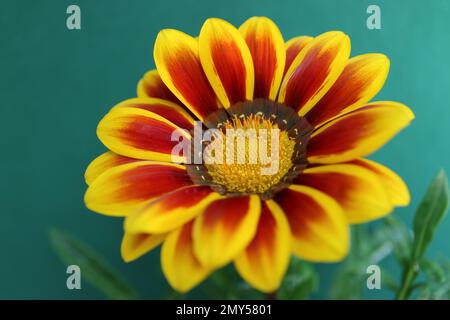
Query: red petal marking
[(341, 136), (229, 212), (104, 162), (308, 77), (294, 49), (153, 87), (300, 209), (148, 134), (186, 197), (185, 238), (336, 185), (176, 56), (347, 90), (188, 77), (166, 112), (149, 181), (265, 235), (118, 160), (265, 62), (232, 75)]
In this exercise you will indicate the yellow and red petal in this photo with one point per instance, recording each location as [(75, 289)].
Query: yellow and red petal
[(358, 133), (293, 47), (171, 210), (140, 134), (124, 189), (265, 260), (177, 60), (396, 189), (362, 78), (104, 162), (136, 245), (180, 266), (152, 86), (166, 109), (359, 192), (320, 231), (226, 61), (225, 228), (266, 46), (314, 71)]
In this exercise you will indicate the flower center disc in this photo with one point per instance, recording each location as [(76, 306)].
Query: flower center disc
[(259, 148), (247, 169)]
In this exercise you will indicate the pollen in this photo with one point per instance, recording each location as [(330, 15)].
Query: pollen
[(254, 154)]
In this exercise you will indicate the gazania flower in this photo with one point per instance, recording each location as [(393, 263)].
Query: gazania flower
[(209, 215)]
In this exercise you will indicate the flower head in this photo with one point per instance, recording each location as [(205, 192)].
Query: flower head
[(306, 95)]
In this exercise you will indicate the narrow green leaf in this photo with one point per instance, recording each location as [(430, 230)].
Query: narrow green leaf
[(433, 270), (429, 213), (388, 281), (227, 284), (368, 247), (400, 238), (424, 293), (361, 248), (442, 292), (434, 292), (349, 280), (300, 281), (93, 268)]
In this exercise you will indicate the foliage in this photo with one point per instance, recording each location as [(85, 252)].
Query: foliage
[(421, 277), (93, 267), (430, 212)]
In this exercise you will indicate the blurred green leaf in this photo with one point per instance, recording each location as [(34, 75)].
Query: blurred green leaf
[(388, 281), (437, 285), (93, 268), (300, 281), (433, 270), (442, 292), (174, 295), (349, 279), (429, 213), (227, 284), (434, 292), (400, 238), (424, 293), (370, 246)]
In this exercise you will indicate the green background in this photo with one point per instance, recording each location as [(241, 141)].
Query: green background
[(56, 84)]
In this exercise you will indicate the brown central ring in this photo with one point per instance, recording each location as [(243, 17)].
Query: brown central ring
[(284, 118)]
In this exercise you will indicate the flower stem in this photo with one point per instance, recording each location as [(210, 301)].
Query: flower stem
[(408, 278)]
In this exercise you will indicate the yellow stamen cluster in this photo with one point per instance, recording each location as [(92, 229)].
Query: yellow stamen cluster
[(246, 176)]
